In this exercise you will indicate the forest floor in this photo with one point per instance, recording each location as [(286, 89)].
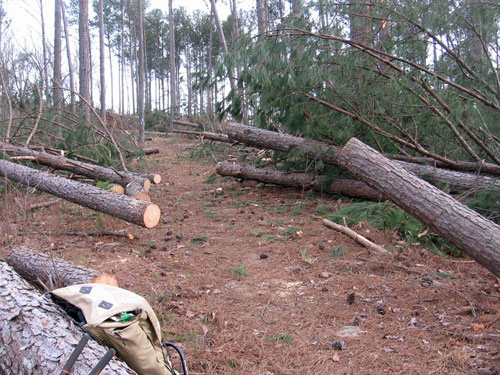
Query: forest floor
[(247, 281)]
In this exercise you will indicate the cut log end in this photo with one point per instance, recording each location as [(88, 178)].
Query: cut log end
[(151, 216), (143, 196), (156, 178), (118, 189), (147, 184)]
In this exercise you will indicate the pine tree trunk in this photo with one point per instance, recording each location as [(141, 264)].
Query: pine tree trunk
[(68, 56), (172, 63), (46, 270), (261, 16), (38, 337), (101, 62), (44, 51), (465, 228), (84, 56), (57, 81), (330, 154), (126, 208), (140, 80), (352, 188)]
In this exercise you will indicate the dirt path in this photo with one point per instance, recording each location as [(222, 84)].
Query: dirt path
[(248, 281)]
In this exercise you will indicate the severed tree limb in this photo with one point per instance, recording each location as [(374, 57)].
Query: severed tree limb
[(129, 209), (100, 233), (355, 236), (36, 206), (37, 336)]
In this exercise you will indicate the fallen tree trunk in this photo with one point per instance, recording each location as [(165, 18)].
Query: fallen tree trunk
[(218, 137), (46, 270), (151, 151), (457, 181), (465, 166), (463, 227), (129, 209), (37, 337), (352, 188), (187, 123), (92, 171)]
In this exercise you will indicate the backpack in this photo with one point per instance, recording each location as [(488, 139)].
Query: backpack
[(122, 320)]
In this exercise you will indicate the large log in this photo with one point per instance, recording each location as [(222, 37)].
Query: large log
[(124, 207), (95, 172), (252, 136), (352, 188), (47, 270), (37, 337), (463, 227)]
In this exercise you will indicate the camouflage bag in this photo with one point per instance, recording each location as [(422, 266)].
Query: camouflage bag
[(122, 320)]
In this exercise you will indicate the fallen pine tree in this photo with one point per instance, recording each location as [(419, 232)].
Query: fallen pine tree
[(134, 211), (37, 337), (330, 154), (346, 187), (463, 227), (95, 172)]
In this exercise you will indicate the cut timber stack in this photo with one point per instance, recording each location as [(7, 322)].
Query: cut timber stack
[(95, 172), (37, 337), (129, 209)]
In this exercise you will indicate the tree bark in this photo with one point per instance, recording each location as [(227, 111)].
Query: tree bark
[(140, 79), (261, 17), (101, 62), (129, 209), (316, 150), (84, 57), (220, 32), (68, 55), (37, 337), (57, 81), (48, 271), (465, 228), (346, 187), (172, 63), (44, 51), (92, 171)]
